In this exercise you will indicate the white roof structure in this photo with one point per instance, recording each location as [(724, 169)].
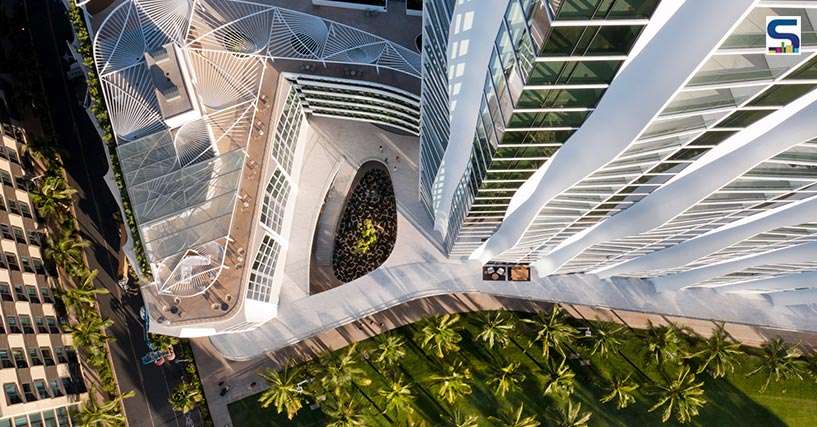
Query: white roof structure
[(181, 80)]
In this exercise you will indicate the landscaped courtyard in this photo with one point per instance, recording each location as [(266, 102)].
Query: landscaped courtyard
[(522, 369)]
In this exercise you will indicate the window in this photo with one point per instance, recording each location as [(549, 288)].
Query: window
[(28, 391), (27, 267), (25, 321), (25, 209), (72, 354), (6, 232), (263, 268), (32, 292), (49, 419), (14, 328), (38, 266), (20, 421), (52, 325), (19, 358), (33, 238), (41, 328), (13, 207), (5, 359), (42, 391), (2, 204), (21, 294), (62, 417), (67, 385), (36, 419), (47, 298), (19, 235), (47, 357), (60, 355), (34, 357), (275, 197), (5, 292), (21, 183), (12, 397), (11, 259), (13, 156), (6, 178), (55, 388)]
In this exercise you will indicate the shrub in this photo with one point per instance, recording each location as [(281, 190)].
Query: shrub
[(368, 237)]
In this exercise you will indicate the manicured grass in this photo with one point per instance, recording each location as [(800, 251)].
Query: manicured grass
[(734, 401)]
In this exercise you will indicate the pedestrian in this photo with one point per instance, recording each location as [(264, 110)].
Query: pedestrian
[(386, 160), (395, 168), (397, 159), (382, 150)]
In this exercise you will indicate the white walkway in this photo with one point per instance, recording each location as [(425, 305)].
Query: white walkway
[(417, 268)]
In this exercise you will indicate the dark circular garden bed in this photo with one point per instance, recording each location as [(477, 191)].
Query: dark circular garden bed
[(368, 227)]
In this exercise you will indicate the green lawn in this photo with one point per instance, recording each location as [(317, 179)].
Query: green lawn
[(734, 401)]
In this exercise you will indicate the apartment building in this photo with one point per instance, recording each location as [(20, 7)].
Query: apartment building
[(39, 370)]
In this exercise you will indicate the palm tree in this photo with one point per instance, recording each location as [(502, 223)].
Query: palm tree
[(85, 280), (441, 335), (553, 331), (454, 384), (682, 395), (507, 378), (105, 414), (780, 361), (458, 419), (346, 413), (283, 390), (80, 299), (606, 338), (496, 329), (663, 343), (53, 199), (621, 389), (342, 373), (162, 342), (41, 149), (185, 397), (569, 415), (558, 380), (719, 355), (89, 332), (392, 349), (514, 418), (399, 397), (67, 252), (812, 366)]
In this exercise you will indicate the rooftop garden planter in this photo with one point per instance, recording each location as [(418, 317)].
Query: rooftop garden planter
[(368, 226)]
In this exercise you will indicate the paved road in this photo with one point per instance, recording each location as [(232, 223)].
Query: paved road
[(85, 166)]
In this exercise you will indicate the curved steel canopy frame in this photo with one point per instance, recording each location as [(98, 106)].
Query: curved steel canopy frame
[(183, 188)]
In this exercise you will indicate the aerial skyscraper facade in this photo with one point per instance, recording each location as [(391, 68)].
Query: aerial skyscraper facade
[(608, 133), (644, 139)]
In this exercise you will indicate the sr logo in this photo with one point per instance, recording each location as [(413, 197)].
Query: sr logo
[(783, 35)]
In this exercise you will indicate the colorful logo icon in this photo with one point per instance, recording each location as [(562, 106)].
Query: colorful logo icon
[(783, 35)]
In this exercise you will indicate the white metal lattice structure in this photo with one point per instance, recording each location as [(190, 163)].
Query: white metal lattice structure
[(195, 270), (182, 79)]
